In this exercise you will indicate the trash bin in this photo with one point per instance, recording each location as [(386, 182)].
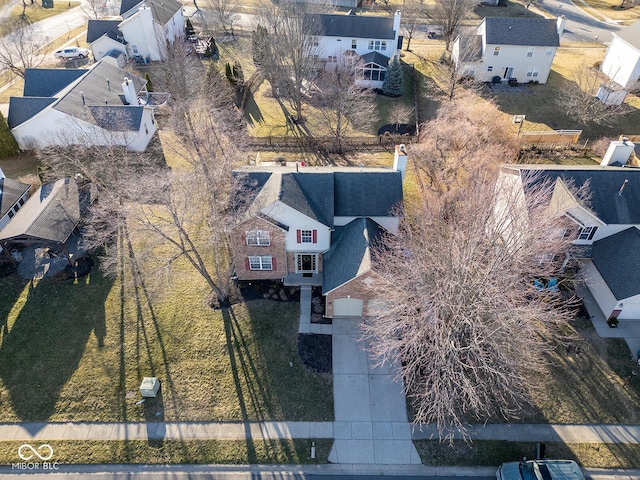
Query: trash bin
[(47, 3)]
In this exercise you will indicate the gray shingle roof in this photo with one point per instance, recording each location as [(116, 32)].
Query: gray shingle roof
[(117, 118), (354, 26), (375, 57), (631, 34), (522, 31), (46, 82), (22, 109), (350, 253), (98, 28), (366, 194), (51, 214), (161, 10), (95, 90), (617, 258), (604, 185), (10, 192)]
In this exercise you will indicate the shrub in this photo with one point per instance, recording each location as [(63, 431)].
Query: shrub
[(8, 145)]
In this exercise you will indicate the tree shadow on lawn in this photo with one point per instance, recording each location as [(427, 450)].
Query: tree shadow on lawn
[(43, 348), (540, 104), (251, 111)]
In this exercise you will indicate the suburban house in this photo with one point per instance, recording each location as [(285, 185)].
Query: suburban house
[(103, 105), (373, 39), (606, 237), (104, 37), (13, 196), (502, 49), (622, 61), (316, 227), (143, 31)]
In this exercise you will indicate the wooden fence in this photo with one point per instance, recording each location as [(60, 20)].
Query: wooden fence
[(329, 142), (549, 139)]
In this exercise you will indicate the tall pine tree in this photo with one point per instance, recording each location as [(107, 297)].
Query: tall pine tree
[(393, 81), (8, 144)]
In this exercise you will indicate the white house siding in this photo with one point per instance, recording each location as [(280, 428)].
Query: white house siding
[(295, 220), (598, 288), (630, 308), (334, 46), (104, 45), (622, 64), (174, 29), (512, 56), (603, 231), (141, 33)]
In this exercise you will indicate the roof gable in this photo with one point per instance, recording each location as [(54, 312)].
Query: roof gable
[(631, 35), (375, 57), (355, 26), (10, 192), (521, 31), (46, 82), (98, 28), (621, 271)]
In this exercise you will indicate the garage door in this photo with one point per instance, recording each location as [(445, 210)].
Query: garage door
[(348, 307)]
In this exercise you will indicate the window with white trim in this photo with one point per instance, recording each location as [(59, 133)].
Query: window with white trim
[(530, 51), (354, 44), (372, 71), (548, 258), (258, 237), (587, 233), (490, 68), (548, 51), (533, 72), (333, 59), (260, 263), (377, 45), (496, 51), (306, 236)]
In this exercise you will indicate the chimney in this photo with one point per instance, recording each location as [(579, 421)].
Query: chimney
[(396, 22), (560, 23), (618, 153), (130, 96), (400, 159)]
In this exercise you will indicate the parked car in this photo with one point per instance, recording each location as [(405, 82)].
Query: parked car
[(71, 52), (540, 470)]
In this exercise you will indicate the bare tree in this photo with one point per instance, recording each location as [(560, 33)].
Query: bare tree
[(462, 313), (400, 113), (93, 9), (225, 13), (450, 14), (579, 101), (20, 48), (344, 104), (412, 17)]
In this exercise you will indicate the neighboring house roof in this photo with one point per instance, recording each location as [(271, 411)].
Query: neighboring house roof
[(522, 31), (350, 254), (51, 214), (375, 57), (10, 192), (604, 185), (355, 26), (620, 271), (631, 35), (99, 28), (46, 82), (22, 109), (161, 10)]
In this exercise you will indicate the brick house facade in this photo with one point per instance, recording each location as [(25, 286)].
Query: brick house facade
[(258, 238)]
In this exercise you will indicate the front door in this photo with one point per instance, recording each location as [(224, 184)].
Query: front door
[(508, 72), (306, 263)]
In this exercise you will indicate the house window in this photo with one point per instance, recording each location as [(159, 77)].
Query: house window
[(490, 68), (146, 130), (306, 236), (533, 72), (372, 71), (354, 44), (261, 263), (315, 43), (383, 46), (306, 262), (258, 237), (153, 121), (21, 202), (333, 59), (530, 52), (377, 45), (134, 49), (548, 258), (496, 51), (10, 213), (548, 51), (587, 233)]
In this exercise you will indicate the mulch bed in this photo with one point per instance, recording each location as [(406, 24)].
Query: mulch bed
[(267, 289), (403, 129), (315, 351), (80, 268)]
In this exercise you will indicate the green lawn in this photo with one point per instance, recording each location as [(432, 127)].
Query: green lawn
[(35, 12), (78, 351)]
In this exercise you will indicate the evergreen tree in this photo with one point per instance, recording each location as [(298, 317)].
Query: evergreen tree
[(228, 72), (238, 74), (259, 43), (149, 84), (393, 82), (8, 144)]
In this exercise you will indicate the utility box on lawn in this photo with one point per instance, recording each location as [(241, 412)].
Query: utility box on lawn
[(149, 387)]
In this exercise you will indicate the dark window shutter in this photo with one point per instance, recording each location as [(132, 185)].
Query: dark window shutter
[(299, 234), (593, 232), (273, 263), (244, 237), (246, 263), (315, 236)]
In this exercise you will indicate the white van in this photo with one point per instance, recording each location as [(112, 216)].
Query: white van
[(540, 470)]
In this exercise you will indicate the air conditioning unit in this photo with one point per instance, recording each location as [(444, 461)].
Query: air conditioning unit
[(149, 387)]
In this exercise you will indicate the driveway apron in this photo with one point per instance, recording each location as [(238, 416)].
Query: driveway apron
[(371, 424)]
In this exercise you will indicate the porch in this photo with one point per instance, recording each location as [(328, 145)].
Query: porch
[(298, 279)]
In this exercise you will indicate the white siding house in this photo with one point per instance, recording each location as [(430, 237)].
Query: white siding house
[(509, 48), (374, 39), (104, 105), (622, 61), (104, 36)]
